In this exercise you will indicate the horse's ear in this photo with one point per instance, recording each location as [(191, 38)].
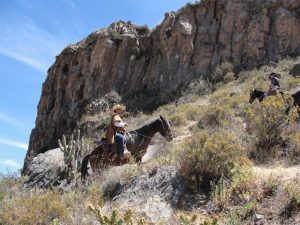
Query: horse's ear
[(161, 117)]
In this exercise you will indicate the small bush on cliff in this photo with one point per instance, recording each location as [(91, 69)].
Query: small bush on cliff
[(206, 158), (270, 126), (142, 30), (220, 71)]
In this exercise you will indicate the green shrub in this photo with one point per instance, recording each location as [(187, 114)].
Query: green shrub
[(270, 126), (240, 188), (293, 193), (37, 208), (178, 120), (194, 113), (294, 149), (270, 186), (205, 158), (115, 218), (250, 208), (215, 115), (292, 83), (188, 220), (220, 71), (8, 184), (229, 77)]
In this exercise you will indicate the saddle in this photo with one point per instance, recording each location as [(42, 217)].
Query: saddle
[(107, 148)]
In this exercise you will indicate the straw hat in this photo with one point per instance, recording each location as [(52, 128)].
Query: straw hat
[(117, 107), (274, 75)]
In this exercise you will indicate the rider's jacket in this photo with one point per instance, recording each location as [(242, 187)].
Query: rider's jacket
[(275, 82), (116, 125)]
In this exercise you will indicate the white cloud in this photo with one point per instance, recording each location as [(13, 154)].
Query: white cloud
[(24, 41), (14, 143), (10, 163), (12, 121), (71, 3)]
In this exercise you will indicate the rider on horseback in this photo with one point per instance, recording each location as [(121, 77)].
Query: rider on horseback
[(116, 130), (275, 85)]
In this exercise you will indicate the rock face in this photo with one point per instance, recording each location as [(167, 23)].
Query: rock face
[(145, 68), (153, 195)]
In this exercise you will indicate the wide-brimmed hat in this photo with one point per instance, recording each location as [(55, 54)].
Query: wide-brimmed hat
[(275, 75), (118, 106)]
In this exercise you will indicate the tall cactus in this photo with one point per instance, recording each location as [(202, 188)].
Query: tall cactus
[(73, 152)]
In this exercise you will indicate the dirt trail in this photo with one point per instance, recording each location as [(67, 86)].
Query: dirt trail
[(279, 172)]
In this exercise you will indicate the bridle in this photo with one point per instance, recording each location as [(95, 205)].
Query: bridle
[(167, 131)]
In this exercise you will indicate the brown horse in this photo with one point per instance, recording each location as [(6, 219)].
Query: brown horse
[(137, 142)]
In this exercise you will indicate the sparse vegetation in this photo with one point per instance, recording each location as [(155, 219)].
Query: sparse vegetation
[(214, 136)]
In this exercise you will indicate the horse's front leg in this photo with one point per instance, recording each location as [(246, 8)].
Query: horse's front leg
[(138, 157)]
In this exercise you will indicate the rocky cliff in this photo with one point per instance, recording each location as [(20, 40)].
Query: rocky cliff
[(144, 68)]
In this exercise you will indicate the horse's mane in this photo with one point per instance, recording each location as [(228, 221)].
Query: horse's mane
[(145, 125)]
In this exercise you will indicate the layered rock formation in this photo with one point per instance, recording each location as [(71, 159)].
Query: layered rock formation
[(145, 68)]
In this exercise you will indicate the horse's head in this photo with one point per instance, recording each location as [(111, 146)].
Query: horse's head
[(252, 96), (165, 129)]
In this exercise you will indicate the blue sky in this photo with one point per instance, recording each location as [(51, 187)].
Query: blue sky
[(32, 33)]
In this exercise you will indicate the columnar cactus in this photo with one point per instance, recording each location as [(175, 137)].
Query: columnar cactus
[(73, 152)]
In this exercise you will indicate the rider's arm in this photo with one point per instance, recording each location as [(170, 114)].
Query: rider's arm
[(120, 124)]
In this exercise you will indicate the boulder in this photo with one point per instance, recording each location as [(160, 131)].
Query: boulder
[(45, 169), (153, 195), (295, 71)]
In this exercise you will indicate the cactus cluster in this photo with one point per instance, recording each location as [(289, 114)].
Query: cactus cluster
[(73, 153)]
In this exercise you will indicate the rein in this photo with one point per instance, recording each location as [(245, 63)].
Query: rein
[(144, 136)]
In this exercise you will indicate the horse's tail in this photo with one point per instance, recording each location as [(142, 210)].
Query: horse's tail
[(84, 167)]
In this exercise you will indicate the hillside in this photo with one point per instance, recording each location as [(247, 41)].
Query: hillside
[(218, 169), (147, 68)]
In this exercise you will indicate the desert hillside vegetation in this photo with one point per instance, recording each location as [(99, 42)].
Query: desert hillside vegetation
[(239, 161)]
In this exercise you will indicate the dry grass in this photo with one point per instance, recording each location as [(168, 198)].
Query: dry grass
[(43, 207), (209, 155)]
